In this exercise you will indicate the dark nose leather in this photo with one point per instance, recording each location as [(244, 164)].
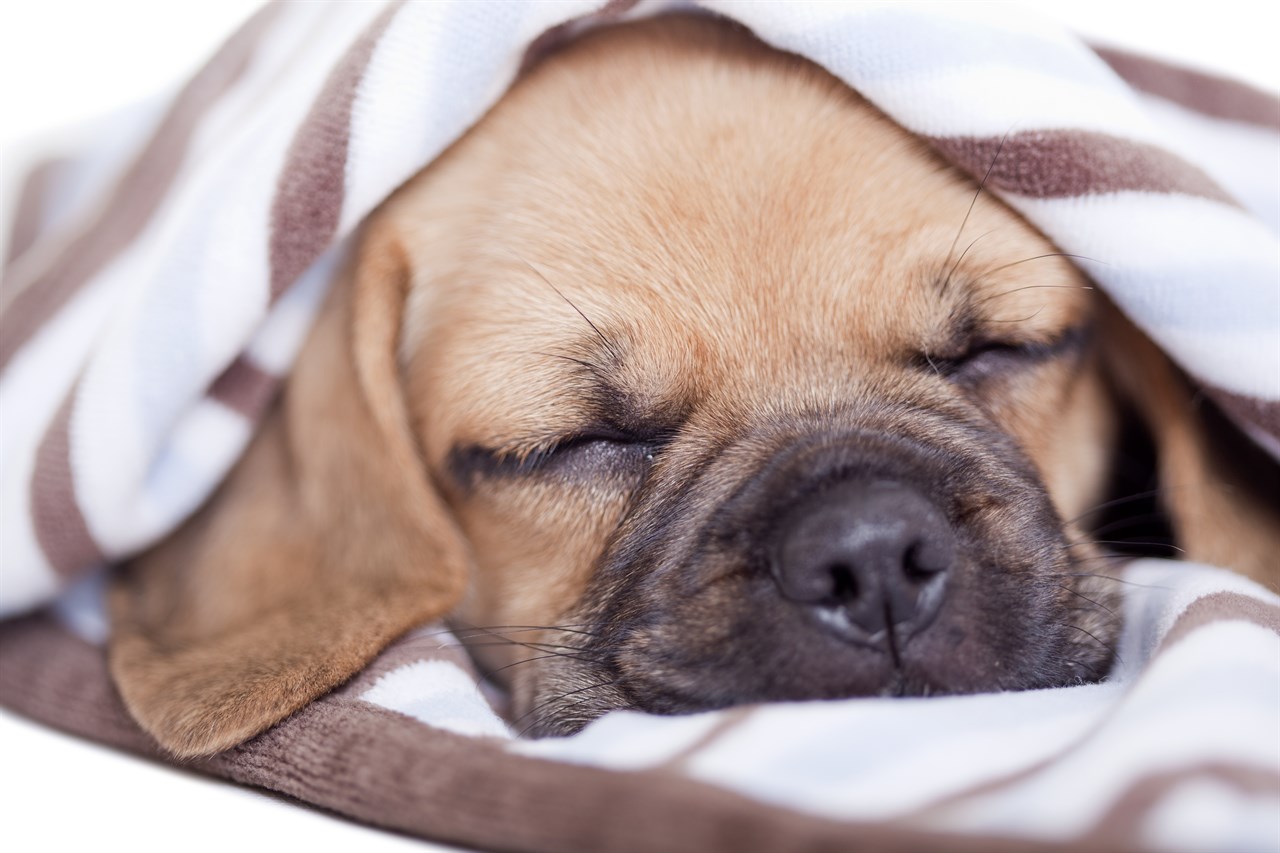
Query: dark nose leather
[(866, 556)]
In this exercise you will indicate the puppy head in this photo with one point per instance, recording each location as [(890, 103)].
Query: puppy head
[(733, 390), (715, 380)]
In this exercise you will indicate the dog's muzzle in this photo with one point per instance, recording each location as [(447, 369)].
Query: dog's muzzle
[(816, 563)]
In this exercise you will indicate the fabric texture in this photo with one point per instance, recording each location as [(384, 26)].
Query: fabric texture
[(157, 288), (1176, 751)]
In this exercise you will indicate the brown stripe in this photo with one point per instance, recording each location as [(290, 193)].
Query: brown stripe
[(1127, 816), (60, 680), (1263, 414), (1068, 163), (1218, 607), (308, 201), (245, 388), (30, 210), (553, 39), (385, 769), (729, 720), (136, 196), (1205, 93), (60, 527)]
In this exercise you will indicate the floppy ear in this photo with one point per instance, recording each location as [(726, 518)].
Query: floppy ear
[(325, 543), (1219, 489)]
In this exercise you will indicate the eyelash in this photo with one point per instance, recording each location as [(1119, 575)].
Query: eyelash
[(985, 356), (581, 443), (614, 452)]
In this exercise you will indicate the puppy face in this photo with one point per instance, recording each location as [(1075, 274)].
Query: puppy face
[(737, 392)]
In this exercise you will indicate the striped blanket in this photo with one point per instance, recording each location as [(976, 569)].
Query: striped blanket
[(158, 283), (1177, 751)]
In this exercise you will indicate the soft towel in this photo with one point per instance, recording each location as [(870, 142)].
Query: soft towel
[(1179, 750)]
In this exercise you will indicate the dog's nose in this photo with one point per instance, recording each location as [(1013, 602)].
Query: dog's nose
[(866, 556)]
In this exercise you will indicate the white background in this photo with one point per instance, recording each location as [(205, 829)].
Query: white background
[(66, 60)]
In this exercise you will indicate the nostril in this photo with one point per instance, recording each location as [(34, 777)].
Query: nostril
[(844, 583), (866, 555)]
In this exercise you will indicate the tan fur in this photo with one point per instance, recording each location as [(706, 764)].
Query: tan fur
[(1221, 518), (762, 243), (325, 543)]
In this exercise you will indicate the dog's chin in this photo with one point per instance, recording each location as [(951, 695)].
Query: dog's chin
[(851, 562)]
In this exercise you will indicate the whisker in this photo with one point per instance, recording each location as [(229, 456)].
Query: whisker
[(1110, 649), (1113, 503), (981, 186), (1104, 555), (545, 657), (1086, 598), (1022, 319), (608, 344), (947, 281), (1096, 674), (1122, 523), (1047, 255), (560, 698), (931, 363), (1131, 542), (516, 629), (507, 640), (1116, 579), (533, 645)]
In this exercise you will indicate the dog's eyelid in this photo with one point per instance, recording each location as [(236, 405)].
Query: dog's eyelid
[(647, 437), (602, 443), (983, 353)]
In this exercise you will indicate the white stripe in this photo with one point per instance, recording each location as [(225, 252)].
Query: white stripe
[(1233, 718), (200, 289), (1247, 363), (802, 20), (1244, 159), (440, 694), (34, 385), (996, 99), (1013, 87), (1212, 815), (202, 447), (624, 740), (1168, 588), (281, 335), (418, 95), (1174, 263), (874, 759), (82, 608)]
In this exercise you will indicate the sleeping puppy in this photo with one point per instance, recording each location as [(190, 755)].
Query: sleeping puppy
[(702, 382)]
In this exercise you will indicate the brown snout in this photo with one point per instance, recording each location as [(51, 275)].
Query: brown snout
[(868, 558)]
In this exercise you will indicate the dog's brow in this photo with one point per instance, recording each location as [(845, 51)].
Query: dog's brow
[(604, 339)]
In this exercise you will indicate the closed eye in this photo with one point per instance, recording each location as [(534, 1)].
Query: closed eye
[(600, 450), (992, 358), (574, 458)]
